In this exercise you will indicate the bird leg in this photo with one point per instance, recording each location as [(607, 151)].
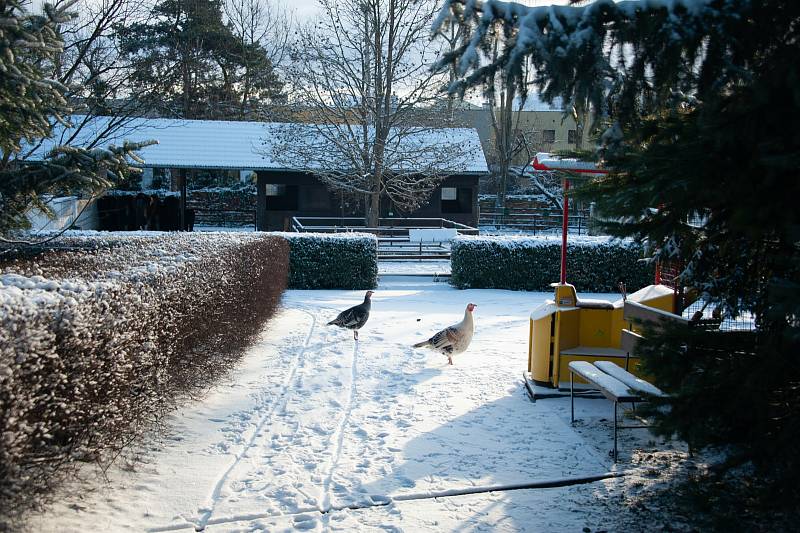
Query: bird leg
[(449, 360), (355, 334)]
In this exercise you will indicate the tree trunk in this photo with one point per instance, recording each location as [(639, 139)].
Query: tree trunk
[(373, 209), (505, 141), (503, 185), (580, 121)]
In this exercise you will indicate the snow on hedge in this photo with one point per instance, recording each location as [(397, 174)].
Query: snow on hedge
[(529, 241), (594, 264), (332, 260), (100, 335)]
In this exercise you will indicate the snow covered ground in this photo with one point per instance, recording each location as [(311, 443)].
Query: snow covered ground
[(426, 267), (316, 432)]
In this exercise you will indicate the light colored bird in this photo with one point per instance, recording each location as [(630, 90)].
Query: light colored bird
[(454, 339), (355, 317)]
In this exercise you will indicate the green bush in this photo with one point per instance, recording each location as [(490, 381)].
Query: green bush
[(594, 264), (332, 261)]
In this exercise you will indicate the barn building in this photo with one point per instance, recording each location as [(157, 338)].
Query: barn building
[(244, 150)]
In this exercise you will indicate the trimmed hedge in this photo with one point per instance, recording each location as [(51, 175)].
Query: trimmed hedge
[(99, 341), (594, 264), (332, 260)]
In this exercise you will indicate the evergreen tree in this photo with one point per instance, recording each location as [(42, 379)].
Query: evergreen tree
[(188, 63), (30, 103), (700, 105)]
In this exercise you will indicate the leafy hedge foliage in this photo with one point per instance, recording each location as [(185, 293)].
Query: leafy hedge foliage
[(594, 264), (332, 261), (101, 338)]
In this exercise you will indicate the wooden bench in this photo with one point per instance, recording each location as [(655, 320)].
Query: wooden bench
[(613, 382)]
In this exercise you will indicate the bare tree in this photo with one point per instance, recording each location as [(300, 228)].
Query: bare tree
[(264, 25), (546, 182), (264, 22), (359, 78), (505, 95), (92, 73)]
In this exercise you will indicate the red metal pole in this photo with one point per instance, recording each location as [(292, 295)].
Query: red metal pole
[(564, 235)]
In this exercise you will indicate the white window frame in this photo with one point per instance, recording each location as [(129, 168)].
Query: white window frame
[(275, 189), (449, 193)]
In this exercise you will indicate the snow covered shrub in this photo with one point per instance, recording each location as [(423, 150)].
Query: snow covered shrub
[(99, 340), (332, 260), (594, 264)]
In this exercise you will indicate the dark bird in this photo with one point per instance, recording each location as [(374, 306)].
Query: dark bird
[(355, 317), (454, 339)]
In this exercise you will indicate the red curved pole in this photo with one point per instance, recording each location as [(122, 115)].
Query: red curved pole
[(564, 234)]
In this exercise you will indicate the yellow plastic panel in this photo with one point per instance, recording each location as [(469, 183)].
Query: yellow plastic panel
[(617, 325), (567, 328), (595, 327), (539, 360), (565, 295)]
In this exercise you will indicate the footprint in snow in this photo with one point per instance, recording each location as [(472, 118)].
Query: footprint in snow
[(320, 430), (305, 522), (406, 482)]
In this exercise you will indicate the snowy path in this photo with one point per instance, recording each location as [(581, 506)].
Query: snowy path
[(313, 423)]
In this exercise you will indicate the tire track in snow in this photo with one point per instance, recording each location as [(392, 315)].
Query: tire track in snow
[(325, 502), (208, 510)]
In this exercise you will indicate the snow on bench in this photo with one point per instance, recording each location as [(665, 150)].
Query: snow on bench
[(612, 388), (631, 381), (432, 234)]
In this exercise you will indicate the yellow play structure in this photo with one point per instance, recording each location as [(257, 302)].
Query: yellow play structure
[(568, 328)]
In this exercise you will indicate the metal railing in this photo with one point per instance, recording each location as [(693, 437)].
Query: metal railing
[(393, 234), (387, 227), (533, 220)]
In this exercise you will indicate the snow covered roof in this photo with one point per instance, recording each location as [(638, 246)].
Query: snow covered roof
[(224, 144), (546, 161)]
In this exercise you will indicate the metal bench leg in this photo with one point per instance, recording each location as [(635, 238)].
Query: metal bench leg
[(615, 432), (571, 398)]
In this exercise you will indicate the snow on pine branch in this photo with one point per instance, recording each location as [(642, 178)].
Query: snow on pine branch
[(592, 54)]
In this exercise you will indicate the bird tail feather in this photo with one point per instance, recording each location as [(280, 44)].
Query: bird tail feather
[(421, 344)]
